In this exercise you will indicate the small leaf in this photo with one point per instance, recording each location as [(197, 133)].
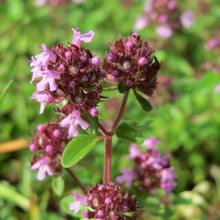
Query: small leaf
[(5, 90), (122, 87), (144, 102), (58, 185), (77, 148), (126, 132)]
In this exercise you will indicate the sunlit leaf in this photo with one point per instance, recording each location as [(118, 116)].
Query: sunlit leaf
[(77, 148)]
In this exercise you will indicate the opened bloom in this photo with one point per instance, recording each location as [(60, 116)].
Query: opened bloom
[(78, 37), (43, 167), (72, 121), (79, 200)]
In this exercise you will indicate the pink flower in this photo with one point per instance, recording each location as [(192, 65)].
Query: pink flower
[(151, 142), (164, 31), (127, 177), (140, 23), (134, 152), (80, 200), (168, 179), (78, 37), (43, 58), (43, 98), (48, 78), (213, 42), (187, 19), (43, 167), (155, 160), (172, 5), (72, 121)]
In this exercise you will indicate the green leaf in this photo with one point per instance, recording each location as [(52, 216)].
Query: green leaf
[(5, 90), (58, 185), (77, 148), (128, 133), (145, 104)]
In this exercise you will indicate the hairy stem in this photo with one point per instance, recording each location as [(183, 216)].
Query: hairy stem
[(108, 159), (121, 111), (77, 180)]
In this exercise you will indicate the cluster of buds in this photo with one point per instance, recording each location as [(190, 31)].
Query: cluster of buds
[(55, 2), (106, 201), (165, 14), (131, 64), (48, 144), (69, 73), (151, 170)]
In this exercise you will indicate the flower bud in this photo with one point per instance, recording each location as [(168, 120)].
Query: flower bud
[(49, 148), (142, 61), (95, 61), (115, 73), (112, 57), (129, 45), (103, 73), (56, 133), (32, 147), (94, 112)]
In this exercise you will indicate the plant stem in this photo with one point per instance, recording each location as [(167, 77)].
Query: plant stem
[(108, 159), (77, 180), (103, 129), (121, 111)]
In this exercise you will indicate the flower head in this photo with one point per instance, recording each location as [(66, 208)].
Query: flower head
[(69, 73), (151, 170), (106, 201), (48, 144), (131, 64)]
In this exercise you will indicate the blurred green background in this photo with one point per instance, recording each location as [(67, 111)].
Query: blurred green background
[(185, 116)]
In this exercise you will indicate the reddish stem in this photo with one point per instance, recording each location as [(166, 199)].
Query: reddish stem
[(121, 111), (77, 180), (108, 159), (103, 129)]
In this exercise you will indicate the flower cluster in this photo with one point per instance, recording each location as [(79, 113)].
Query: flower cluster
[(106, 201), (48, 144), (151, 170), (165, 14), (55, 2), (131, 64), (69, 73)]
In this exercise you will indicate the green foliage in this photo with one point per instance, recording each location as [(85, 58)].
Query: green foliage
[(128, 133), (58, 185), (187, 126), (77, 148), (145, 104)]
